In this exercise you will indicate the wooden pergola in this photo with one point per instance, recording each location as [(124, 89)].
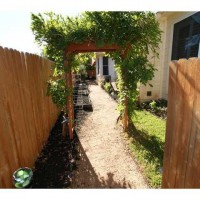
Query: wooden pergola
[(83, 48)]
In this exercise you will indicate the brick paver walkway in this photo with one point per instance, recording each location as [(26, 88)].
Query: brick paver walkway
[(105, 161)]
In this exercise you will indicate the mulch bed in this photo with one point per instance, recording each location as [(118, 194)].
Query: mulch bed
[(56, 162), (56, 165)]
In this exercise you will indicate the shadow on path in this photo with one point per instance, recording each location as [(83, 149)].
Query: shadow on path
[(151, 144), (86, 177)]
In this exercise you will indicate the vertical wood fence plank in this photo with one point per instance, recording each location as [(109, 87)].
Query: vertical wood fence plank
[(12, 105), (170, 123), (19, 117), (182, 133), (178, 101), (193, 125), (187, 92), (196, 157), (26, 101), (8, 154)]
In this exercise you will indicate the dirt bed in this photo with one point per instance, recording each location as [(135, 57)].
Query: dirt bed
[(55, 166)]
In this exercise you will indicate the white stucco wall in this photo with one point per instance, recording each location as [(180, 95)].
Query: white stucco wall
[(160, 81), (100, 66), (167, 51), (111, 69), (156, 81)]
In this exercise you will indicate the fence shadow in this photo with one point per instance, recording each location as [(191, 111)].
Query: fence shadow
[(85, 176), (154, 147)]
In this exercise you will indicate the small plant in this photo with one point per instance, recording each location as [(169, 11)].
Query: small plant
[(107, 87), (22, 177), (153, 105), (58, 92), (90, 67), (157, 107)]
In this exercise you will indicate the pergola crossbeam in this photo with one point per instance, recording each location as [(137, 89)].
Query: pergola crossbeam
[(72, 49), (89, 47)]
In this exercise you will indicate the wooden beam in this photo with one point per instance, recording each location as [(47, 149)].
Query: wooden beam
[(89, 47)]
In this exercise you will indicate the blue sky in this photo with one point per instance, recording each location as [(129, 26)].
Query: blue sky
[(15, 31)]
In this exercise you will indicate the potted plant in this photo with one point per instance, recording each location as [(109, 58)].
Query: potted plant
[(22, 177), (91, 71)]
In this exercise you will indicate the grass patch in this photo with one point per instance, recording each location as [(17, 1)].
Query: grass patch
[(147, 143)]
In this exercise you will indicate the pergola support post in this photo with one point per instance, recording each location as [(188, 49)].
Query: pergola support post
[(125, 114), (69, 104), (64, 126)]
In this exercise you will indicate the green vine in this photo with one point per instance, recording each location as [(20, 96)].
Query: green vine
[(137, 32)]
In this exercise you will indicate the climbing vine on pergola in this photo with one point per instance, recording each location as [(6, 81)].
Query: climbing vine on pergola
[(128, 37)]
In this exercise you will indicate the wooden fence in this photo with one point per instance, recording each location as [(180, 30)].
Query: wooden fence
[(26, 113), (182, 148)]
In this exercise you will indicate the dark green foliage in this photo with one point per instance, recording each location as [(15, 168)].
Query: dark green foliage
[(157, 107), (57, 90), (107, 87), (153, 105), (136, 33)]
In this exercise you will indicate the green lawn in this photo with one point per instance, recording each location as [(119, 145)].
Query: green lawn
[(147, 143)]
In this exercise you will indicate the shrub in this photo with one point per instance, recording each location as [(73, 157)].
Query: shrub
[(153, 105), (107, 87), (157, 107)]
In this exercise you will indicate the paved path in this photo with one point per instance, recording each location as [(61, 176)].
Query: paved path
[(105, 162)]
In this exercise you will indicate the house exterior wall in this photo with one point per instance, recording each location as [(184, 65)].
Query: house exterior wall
[(155, 82), (111, 69), (112, 72), (170, 21), (160, 80)]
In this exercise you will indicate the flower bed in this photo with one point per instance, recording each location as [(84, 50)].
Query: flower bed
[(157, 107)]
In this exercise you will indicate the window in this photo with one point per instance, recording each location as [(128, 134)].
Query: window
[(186, 37), (148, 93), (105, 66)]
